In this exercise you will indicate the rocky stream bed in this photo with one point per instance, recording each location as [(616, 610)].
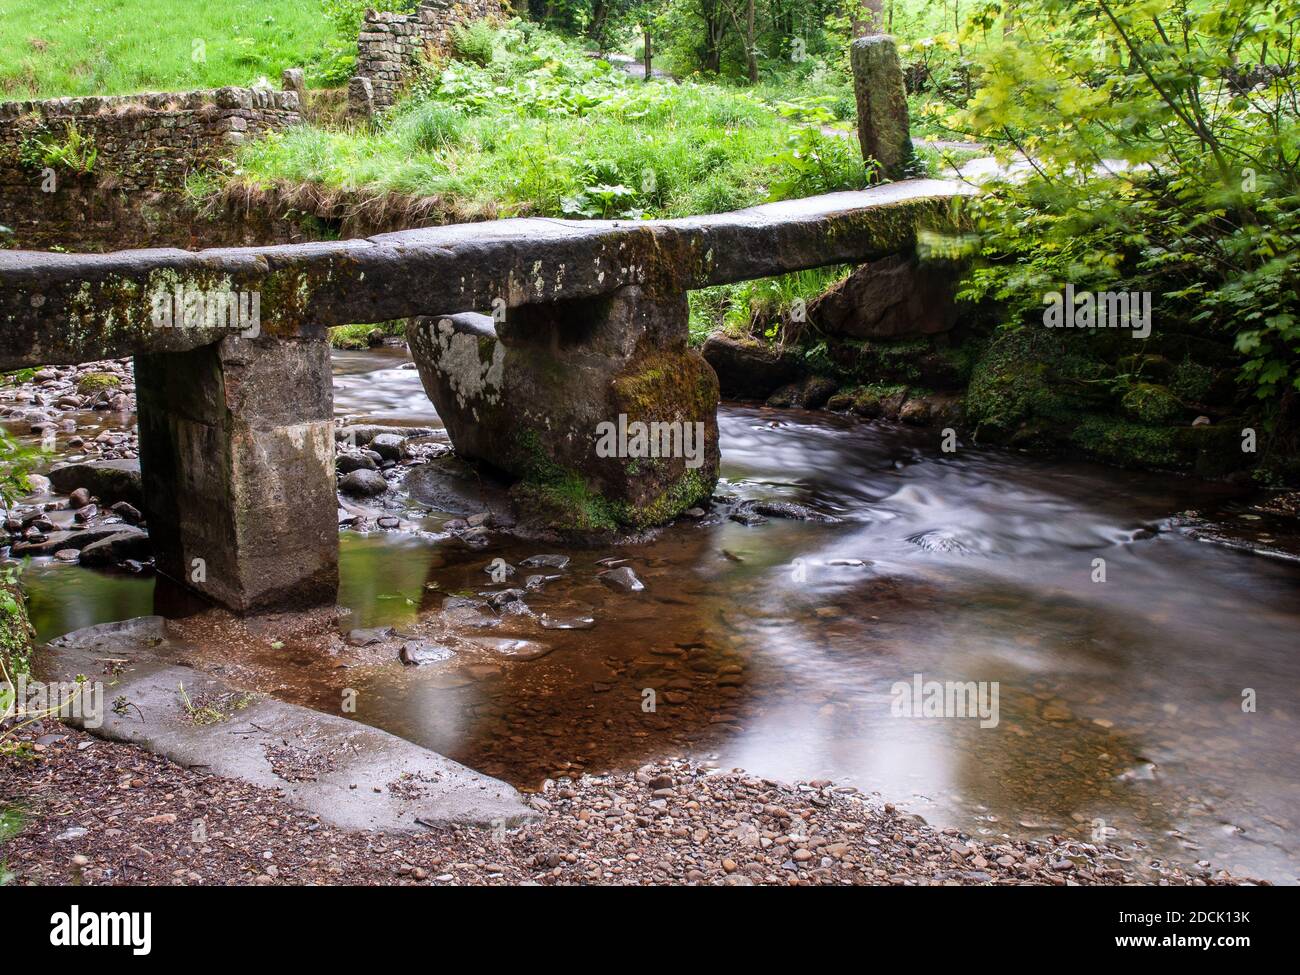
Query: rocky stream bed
[(527, 659)]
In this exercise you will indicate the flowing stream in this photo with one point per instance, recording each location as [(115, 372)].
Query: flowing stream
[(778, 647)]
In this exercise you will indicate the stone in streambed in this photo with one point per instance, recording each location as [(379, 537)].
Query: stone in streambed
[(127, 512), (388, 446), (622, 578), (545, 561), (108, 480), (365, 637), (417, 652), (133, 544), (572, 623), (347, 463), (627, 357), (791, 510), (72, 539), (363, 483), (514, 649)]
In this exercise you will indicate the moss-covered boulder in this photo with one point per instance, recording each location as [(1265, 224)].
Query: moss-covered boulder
[(96, 382), (1032, 385), (1151, 403)]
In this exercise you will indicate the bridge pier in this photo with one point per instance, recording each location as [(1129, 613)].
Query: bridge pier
[(596, 406), (237, 458)]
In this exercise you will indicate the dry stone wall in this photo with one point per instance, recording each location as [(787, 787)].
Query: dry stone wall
[(146, 141), (391, 45), (143, 147)]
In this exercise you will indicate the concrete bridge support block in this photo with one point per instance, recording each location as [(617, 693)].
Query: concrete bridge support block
[(546, 392), (237, 458)]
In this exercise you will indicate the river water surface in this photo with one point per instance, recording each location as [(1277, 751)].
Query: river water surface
[(777, 647)]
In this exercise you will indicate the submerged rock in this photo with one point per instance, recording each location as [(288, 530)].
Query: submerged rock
[(545, 561), (462, 611), (128, 544), (622, 578), (359, 637), (417, 652), (572, 623), (791, 510), (451, 485), (512, 648)]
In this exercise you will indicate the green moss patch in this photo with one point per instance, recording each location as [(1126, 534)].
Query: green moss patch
[(95, 382)]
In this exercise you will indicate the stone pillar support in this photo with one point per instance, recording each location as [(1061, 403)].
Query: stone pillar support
[(883, 124), (237, 458), (597, 407)]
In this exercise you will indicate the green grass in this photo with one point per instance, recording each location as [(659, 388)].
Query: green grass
[(104, 47), (358, 336), (541, 129), (761, 307)]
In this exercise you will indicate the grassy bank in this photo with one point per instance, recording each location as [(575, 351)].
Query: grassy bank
[(531, 125), (61, 47)]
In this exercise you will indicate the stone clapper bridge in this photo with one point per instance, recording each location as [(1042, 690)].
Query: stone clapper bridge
[(237, 433)]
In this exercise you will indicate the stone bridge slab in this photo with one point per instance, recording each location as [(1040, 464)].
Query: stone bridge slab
[(67, 308)]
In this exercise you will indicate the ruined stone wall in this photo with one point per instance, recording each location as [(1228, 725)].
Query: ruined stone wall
[(391, 45), (147, 141), (144, 145)]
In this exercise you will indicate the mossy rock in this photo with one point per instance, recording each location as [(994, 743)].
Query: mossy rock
[(1031, 385), (882, 360), (867, 403), (565, 504), (1150, 403), (880, 399), (1127, 444), (95, 382), (1192, 381)]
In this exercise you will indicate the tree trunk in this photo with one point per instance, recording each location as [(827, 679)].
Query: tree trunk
[(870, 18), (751, 55), (648, 57), (713, 27), (599, 20)]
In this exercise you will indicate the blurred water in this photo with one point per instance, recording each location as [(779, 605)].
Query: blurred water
[(776, 647)]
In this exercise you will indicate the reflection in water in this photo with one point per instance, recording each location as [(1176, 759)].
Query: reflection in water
[(775, 647)]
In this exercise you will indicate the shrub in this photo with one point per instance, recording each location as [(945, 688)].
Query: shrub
[(74, 152), (474, 43)]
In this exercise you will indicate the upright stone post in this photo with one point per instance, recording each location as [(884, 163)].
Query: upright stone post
[(883, 124), (596, 406), (237, 458)]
